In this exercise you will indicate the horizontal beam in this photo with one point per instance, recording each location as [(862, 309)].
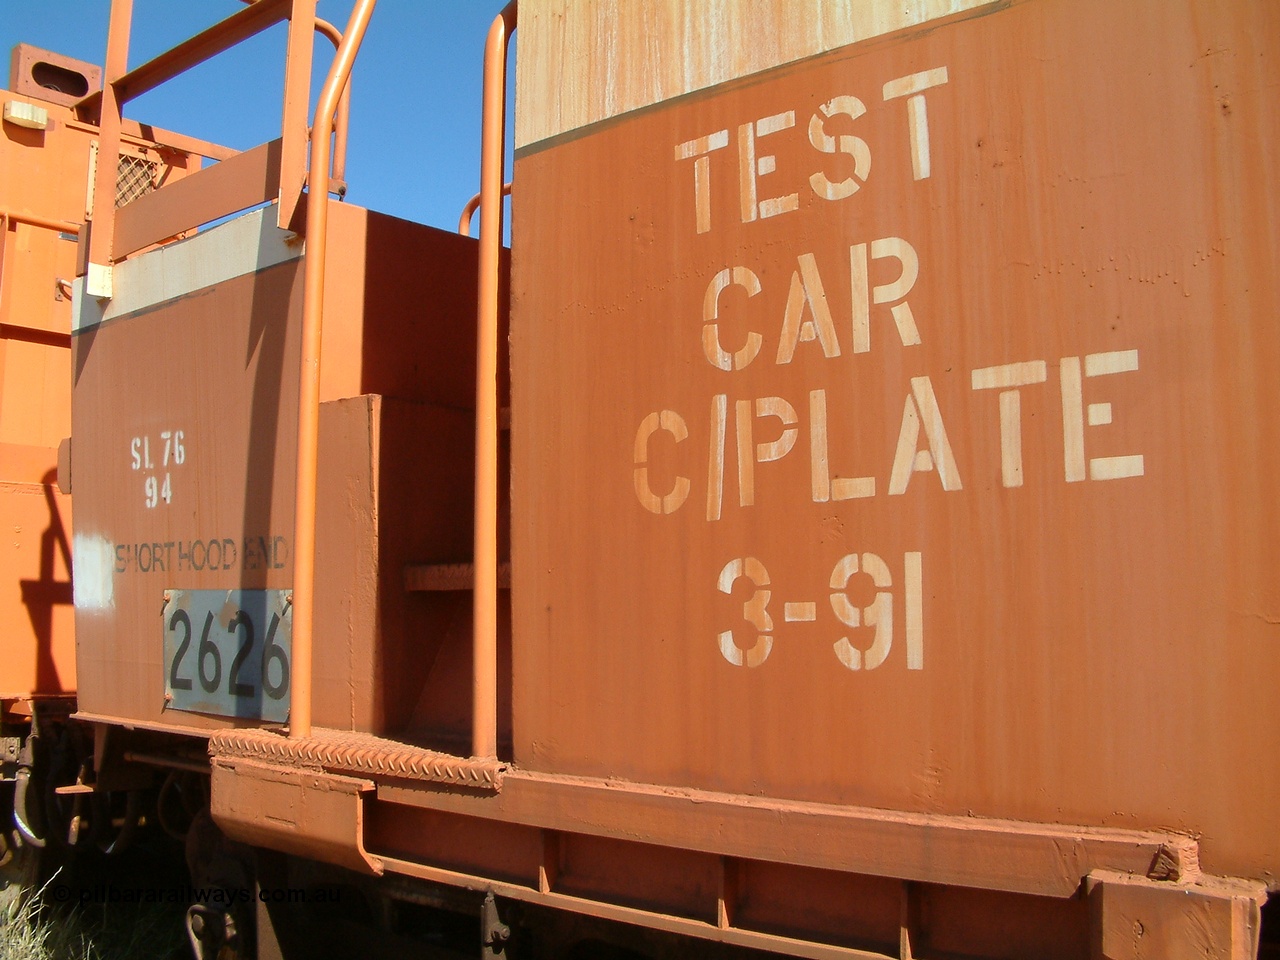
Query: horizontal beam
[(32, 220), (228, 187), (222, 36), (145, 135), (148, 135), (1035, 858)]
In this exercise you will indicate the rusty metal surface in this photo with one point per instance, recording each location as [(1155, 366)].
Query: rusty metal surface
[(449, 577), (148, 521), (214, 322), (893, 428), (315, 815), (627, 913), (342, 751), (1040, 859), (1135, 919)]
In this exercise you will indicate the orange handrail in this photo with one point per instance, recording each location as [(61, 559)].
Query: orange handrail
[(121, 85), (222, 36), (31, 220), (344, 108), (484, 640), (464, 221), (304, 529), (344, 104)]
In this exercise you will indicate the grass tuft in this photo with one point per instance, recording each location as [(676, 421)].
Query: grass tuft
[(27, 933), (33, 929)]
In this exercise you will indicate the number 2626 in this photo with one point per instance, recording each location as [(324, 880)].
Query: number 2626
[(204, 664)]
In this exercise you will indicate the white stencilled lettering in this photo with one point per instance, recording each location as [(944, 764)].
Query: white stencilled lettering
[(824, 133), (158, 488), (878, 616)]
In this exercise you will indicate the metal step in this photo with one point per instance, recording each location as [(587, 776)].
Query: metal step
[(348, 752)]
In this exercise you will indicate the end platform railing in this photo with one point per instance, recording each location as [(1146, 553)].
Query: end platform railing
[(272, 172)]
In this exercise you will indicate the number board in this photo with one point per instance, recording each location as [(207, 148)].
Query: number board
[(227, 652)]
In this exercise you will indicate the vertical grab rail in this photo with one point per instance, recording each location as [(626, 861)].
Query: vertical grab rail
[(97, 253), (344, 105), (484, 639), (304, 530)]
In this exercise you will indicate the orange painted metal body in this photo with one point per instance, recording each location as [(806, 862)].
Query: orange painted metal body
[(889, 425), (870, 535), (42, 186), (225, 362), (1080, 632), (45, 172), (43, 175)]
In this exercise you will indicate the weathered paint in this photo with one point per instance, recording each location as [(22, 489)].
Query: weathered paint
[(42, 176), (239, 247), (184, 407), (44, 180), (579, 63), (783, 624), (981, 378)]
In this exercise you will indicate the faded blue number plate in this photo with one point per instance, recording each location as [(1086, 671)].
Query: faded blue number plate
[(227, 652)]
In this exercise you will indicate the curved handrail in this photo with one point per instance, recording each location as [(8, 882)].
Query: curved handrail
[(344, 104), (464, 221), (344, 108), (304, 529)]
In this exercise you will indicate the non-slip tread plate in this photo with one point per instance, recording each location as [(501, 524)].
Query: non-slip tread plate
[(344, 751)]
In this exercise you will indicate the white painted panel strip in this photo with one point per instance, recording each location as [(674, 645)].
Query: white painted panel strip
[(244, 245)]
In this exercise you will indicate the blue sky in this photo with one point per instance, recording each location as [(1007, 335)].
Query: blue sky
[(415, 126)]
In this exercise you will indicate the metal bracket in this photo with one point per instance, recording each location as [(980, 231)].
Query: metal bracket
[(494, 934), (315, 815), (1135, 918)]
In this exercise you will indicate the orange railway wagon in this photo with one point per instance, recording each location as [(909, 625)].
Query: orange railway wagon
[(44, 159), (44, 162), (47, 152), (843, 532)]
